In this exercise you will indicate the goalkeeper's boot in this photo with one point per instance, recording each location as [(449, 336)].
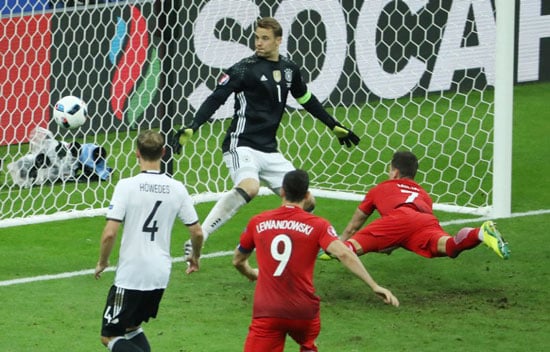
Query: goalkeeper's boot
[(494, 240), (187, 249)]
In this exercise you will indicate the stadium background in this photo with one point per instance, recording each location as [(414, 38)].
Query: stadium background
[(476, 303), (132, 45)]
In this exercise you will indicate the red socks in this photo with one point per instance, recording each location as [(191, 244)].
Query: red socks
[(466, 238)]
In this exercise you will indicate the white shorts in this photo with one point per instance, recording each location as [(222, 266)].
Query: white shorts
[(245, 162)]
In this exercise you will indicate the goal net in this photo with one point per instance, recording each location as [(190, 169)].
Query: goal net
[(416, 75)]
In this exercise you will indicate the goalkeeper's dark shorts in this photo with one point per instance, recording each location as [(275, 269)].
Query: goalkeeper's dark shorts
[(128, 309)]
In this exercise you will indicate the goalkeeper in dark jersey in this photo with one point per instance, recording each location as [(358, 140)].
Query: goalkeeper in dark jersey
[(261, 84)]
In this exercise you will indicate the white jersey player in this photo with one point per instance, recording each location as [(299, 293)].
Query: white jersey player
[(148, 204)]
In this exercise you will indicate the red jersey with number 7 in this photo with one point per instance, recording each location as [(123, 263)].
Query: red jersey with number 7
[(287, 240), (392, 194)]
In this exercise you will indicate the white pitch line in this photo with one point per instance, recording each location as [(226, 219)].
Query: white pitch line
[(66, 275), (226, 253), (484, 218)]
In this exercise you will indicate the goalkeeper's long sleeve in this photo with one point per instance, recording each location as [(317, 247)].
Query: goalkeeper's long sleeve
[(209, 106), (345, 135), (314, 107)]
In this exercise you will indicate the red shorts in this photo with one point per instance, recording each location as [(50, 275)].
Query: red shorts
[(269, 334), (404, 227)]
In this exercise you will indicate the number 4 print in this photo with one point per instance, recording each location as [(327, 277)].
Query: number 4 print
[(147, 226)]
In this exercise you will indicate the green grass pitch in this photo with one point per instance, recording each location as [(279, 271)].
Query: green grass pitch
[(476, 302)]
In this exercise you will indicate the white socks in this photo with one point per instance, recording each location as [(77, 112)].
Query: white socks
[(222, 211)]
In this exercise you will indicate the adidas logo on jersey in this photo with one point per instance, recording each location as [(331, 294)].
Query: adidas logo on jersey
[(263, 78)]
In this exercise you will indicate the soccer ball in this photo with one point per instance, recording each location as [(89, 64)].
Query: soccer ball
[(70, 112)]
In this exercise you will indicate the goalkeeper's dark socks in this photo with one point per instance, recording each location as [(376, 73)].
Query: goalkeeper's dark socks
[(138, 338), (466, 238), (120, 344)]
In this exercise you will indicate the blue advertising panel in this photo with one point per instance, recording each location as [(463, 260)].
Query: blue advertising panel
[(20, 6)]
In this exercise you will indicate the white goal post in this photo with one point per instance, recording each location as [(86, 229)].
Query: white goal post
[(429, 76)]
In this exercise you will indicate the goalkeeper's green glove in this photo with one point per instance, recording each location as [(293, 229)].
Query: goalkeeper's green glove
[(345, 135), (180, 138)]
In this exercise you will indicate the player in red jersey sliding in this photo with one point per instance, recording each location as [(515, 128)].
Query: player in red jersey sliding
[(407, 220), (287, 240)]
